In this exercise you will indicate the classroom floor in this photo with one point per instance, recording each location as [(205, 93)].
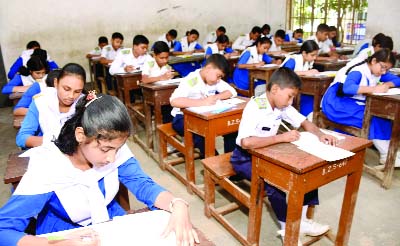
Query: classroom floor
[(376, 219)]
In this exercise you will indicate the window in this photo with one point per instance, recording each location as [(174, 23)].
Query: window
[(349, 16)]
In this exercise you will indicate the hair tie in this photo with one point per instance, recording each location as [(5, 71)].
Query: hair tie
[(91, 97)]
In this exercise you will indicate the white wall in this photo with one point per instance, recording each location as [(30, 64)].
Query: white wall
[(69, 29)]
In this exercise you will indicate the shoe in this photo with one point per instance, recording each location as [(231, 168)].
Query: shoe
[(282, 234), (170, 149), (312, 228)]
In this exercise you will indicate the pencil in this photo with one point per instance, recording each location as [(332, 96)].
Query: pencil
[(285, 126)]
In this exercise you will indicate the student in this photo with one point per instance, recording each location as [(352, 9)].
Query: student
[(34, 72), (188, 44), (277, 41), (169, 38), (246, 40), (72, 182), (96, 52), (302, 64), (212, 36), (220, 47), (258, 128), (157, 68), (25, 56), (332, 38), (265, 31), (296, 37), (51, 108), (109, 52), (200, 88), (254, 56), (344, 101), (321, 38), (23, 104), (131, 59)]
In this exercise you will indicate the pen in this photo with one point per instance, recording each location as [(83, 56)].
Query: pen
[(285, 126)]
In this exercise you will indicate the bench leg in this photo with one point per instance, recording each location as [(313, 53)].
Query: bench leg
[(209, 193), (163, 150)]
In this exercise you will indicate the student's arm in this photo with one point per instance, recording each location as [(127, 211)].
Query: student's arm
[(14, 68), (267, 59), (208, 52), (52, 65), (198, 48), (29, 127), (351, 85), (391, 78), (325, 138), (103, 57), (23, 104), (237, 45), (166, 76), (225, 91), (15, 85)]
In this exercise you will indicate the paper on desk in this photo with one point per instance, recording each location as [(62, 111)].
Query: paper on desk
[(310, 143), (219, 107), (269, 65), (391, 91), (168, 82), (326, 73)]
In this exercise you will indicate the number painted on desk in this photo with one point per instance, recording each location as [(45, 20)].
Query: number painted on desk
[(333, 167), (233, 122)]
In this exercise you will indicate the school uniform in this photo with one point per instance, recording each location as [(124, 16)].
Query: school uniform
[(345, 106), (241, 75), (44, 117), (164, 39), (109, 53), (259, 119), (296, 63), (274, 47), (64, 197), (23, 59), (193, 86), (290, 38), (267, 36), (27, 97), (210, 38), (125, 58), (183, 46), (213, 49), (96, 51), (20, 80), (242, 42), (323, 45)]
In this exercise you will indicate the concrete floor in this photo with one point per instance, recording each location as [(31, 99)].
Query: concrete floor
[(376, 218)]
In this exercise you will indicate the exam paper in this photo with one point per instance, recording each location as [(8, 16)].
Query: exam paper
[(391, 91)]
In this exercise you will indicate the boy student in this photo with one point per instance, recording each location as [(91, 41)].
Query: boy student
[(246, 40), (277, 41), (168, 38), (212, 36), (130, 59), (200, 88), (109, 52), (258, 128), (96, 52), (321, 38)]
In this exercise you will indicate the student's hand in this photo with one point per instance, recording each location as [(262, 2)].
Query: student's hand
[(288, 137), (87, 237), (312, 72), (180, 223), (259, 64), (129, 68), (328, 139), (168, 75), (210, 100), (384, 87)]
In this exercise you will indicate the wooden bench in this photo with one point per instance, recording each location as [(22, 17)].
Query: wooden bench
[(324, 122)]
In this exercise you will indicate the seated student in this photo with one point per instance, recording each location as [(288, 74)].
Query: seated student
[(220, 47), (23, 104), (169, 38), (254, 56), (51, 108), (344, 101), (131, 59), (72, 182), (202, 87), (321, 38), (302, 64), (246, 40), (25, 56), (96, 52), (258, 128), (35, 71), (332, 38), (265, 31), (212, 36), (296, 37), (277, 41), (109, 52)]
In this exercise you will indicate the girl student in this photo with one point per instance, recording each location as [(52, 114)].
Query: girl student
[(72, 182), (253, 56), (35, 71), (52, 107), (220, 47), (344, 101), (302, 64)]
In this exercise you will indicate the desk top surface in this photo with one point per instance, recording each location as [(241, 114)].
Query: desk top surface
[(395, 98)]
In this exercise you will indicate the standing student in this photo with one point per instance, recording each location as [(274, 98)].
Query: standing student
[(296, 37), (344, 101), (254, 56), (277, 41), (265, 31), (34, 72), (96, 52), (109, 52), (72, 182), (23, 104), (246, 40), (212, 36), (188, 44), (131, 59), (25, 56), (302, 64), (258, 128), (200, 88), (51, 108), (321, 38), (169, 38)]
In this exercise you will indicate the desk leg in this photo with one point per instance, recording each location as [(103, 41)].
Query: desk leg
[(148, 127), (293, 216), (157, 121), (349, 199), (189, 156), (393, 147)]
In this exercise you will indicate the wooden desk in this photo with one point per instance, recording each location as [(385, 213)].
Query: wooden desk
[(345, 51), (155, 95), (262, 73), (15, 96), (17, 121), (297, 172), (291, 47), (387, 107), (314, 86), (330, 65), (185, 58), (125, 83), (208, 125)]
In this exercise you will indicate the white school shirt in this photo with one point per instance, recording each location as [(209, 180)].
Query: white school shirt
[(274, 47), (125, 58), (164, 39), (300, 65), (323, 45), (193, 86), (254, 56), (96, 51), (210, 38), (108, 52), (260, 120), (151, 68), (242, 42), (185, 46)]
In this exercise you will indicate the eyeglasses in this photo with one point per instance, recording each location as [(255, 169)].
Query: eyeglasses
[(384, 68)]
